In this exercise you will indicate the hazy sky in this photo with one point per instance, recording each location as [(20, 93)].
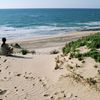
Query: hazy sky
[(49, 3)]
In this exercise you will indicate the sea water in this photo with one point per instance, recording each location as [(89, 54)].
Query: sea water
[(27, 23)]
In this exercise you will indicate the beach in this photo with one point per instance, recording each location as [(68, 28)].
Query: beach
[(34, 77), (50, 41)]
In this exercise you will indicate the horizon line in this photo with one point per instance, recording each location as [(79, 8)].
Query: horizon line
[(45, 8), (49, 8)]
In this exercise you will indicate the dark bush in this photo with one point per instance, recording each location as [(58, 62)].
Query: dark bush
[(24, 51), (54, 52)]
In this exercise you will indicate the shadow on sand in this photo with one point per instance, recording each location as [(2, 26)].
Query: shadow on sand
[(15, 56)]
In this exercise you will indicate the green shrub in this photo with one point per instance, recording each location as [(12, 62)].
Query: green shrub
[(24, 51), (94, 54), (66, 50), (92, 42)]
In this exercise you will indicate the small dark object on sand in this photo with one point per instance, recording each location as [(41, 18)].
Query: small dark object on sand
[(18, 75), (54, 52), (33, 52), (17, 45), (46, 95), (57, 67), (2, 92), (5, 60)]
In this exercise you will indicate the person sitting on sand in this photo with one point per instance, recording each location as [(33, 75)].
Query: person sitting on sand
[(5, 49)]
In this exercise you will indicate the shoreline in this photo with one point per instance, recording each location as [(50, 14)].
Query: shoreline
[(51, 41), (44, 45)]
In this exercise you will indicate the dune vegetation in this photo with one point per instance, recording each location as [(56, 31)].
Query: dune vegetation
[(92, 42)]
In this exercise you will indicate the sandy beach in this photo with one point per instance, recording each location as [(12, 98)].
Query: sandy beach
[(33, 76), (51, 41)]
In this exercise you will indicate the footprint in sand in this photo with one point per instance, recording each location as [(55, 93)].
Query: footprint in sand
[(46, 95), (29, 76), (18, 75), (5, 60), (55, 96), (2, 92), (43, 82), (60, 95), (6, 67)]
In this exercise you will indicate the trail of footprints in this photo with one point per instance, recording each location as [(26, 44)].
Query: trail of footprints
[(5, 75), (60, 95), (26, 86), (22, 83)]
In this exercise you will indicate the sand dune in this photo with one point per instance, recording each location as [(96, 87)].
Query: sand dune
[(34, 77)]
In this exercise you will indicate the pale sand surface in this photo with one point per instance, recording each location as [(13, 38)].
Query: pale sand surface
[(33, 77), (51, 41)]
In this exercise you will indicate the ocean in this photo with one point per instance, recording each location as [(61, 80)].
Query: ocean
[(28, 23)]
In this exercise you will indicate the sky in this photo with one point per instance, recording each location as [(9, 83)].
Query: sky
[(49, 3)]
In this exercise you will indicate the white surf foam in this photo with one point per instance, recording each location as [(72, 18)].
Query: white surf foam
[(96, 23), (28, 32)]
